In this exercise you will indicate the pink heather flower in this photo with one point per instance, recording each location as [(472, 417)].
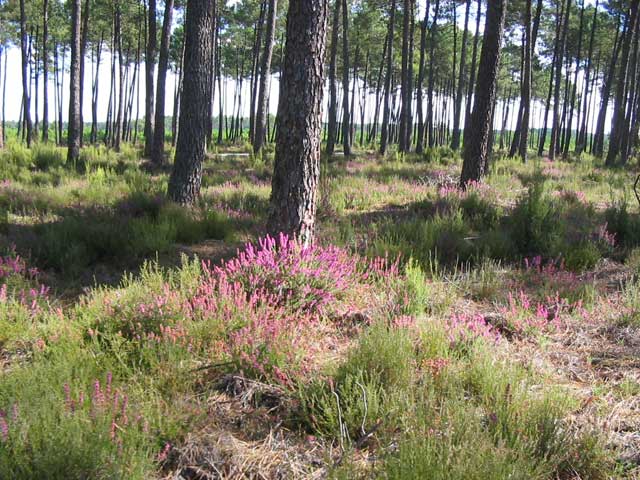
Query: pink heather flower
[(4, 429), (164, 453)]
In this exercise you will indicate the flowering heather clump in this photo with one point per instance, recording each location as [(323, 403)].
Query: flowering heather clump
[(553, 279), (524, 316), (19, 285), (603, 235), (464, 328), (302, 278)]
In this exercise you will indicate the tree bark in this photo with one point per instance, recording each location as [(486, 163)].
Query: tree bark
[(619, 113), (561, 48), (157, 154), (526, 85), (45, 71), (434, 27), (297, 159), (455, 141), (582, 135), (24, 49), (73, 141), (476, 146), (265, 79), (346, 122), (149, 64), (386, 112), (186, 177)]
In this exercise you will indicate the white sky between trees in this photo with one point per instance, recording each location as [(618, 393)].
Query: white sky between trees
[(14, 88)]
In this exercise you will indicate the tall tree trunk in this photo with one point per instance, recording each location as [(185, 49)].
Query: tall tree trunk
[(332, 124), (386, 113), (455, 141), (474, 60), (526, 85), (405, 90), (605, 94), (24, 48), (561, 48), (83, 53), (572, 104), (186, 178), (73, 140), (45, 71), (619, 113), (255, 69), (421, 68), (432, 35), (476, 147), (346, 122), (149, 63), (157, 154), (582, 135), (297, 161), (265, 79)]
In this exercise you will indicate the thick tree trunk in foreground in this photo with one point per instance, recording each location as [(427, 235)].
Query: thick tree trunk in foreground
[(157, 154), (75, 129), (477, 143), (149, 64), (260, 136), (186, 178), (297, 160)]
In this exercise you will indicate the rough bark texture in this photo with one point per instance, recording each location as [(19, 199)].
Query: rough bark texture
[(157, 154), (297, 159), (405, 91), (477, 143), (265, 77), (186, 178), (561, 45), (75, 129), (149, 64)]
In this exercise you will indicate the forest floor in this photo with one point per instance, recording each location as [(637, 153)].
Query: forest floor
[(430, 333)]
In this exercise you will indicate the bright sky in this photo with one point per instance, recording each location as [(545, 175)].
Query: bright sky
[(14, 88)]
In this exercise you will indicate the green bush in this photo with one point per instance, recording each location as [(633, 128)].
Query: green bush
[(46, 157), (535, 223)]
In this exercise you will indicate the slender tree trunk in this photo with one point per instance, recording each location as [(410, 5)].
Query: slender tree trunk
[(346, 122), (149, 62), (472, 78), (255, 69), (421, 68), (24, 48), (569, 126), (555, 128), (386, 114), (45, 71), (582, 135), (432, 41), (405, 91), (618, 121), (455, 141), (157, 154), (332, 124), (476, 146), (526, 85), (265, 79), (186, 178), (605, 94), (73, 140), (297, 161)]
